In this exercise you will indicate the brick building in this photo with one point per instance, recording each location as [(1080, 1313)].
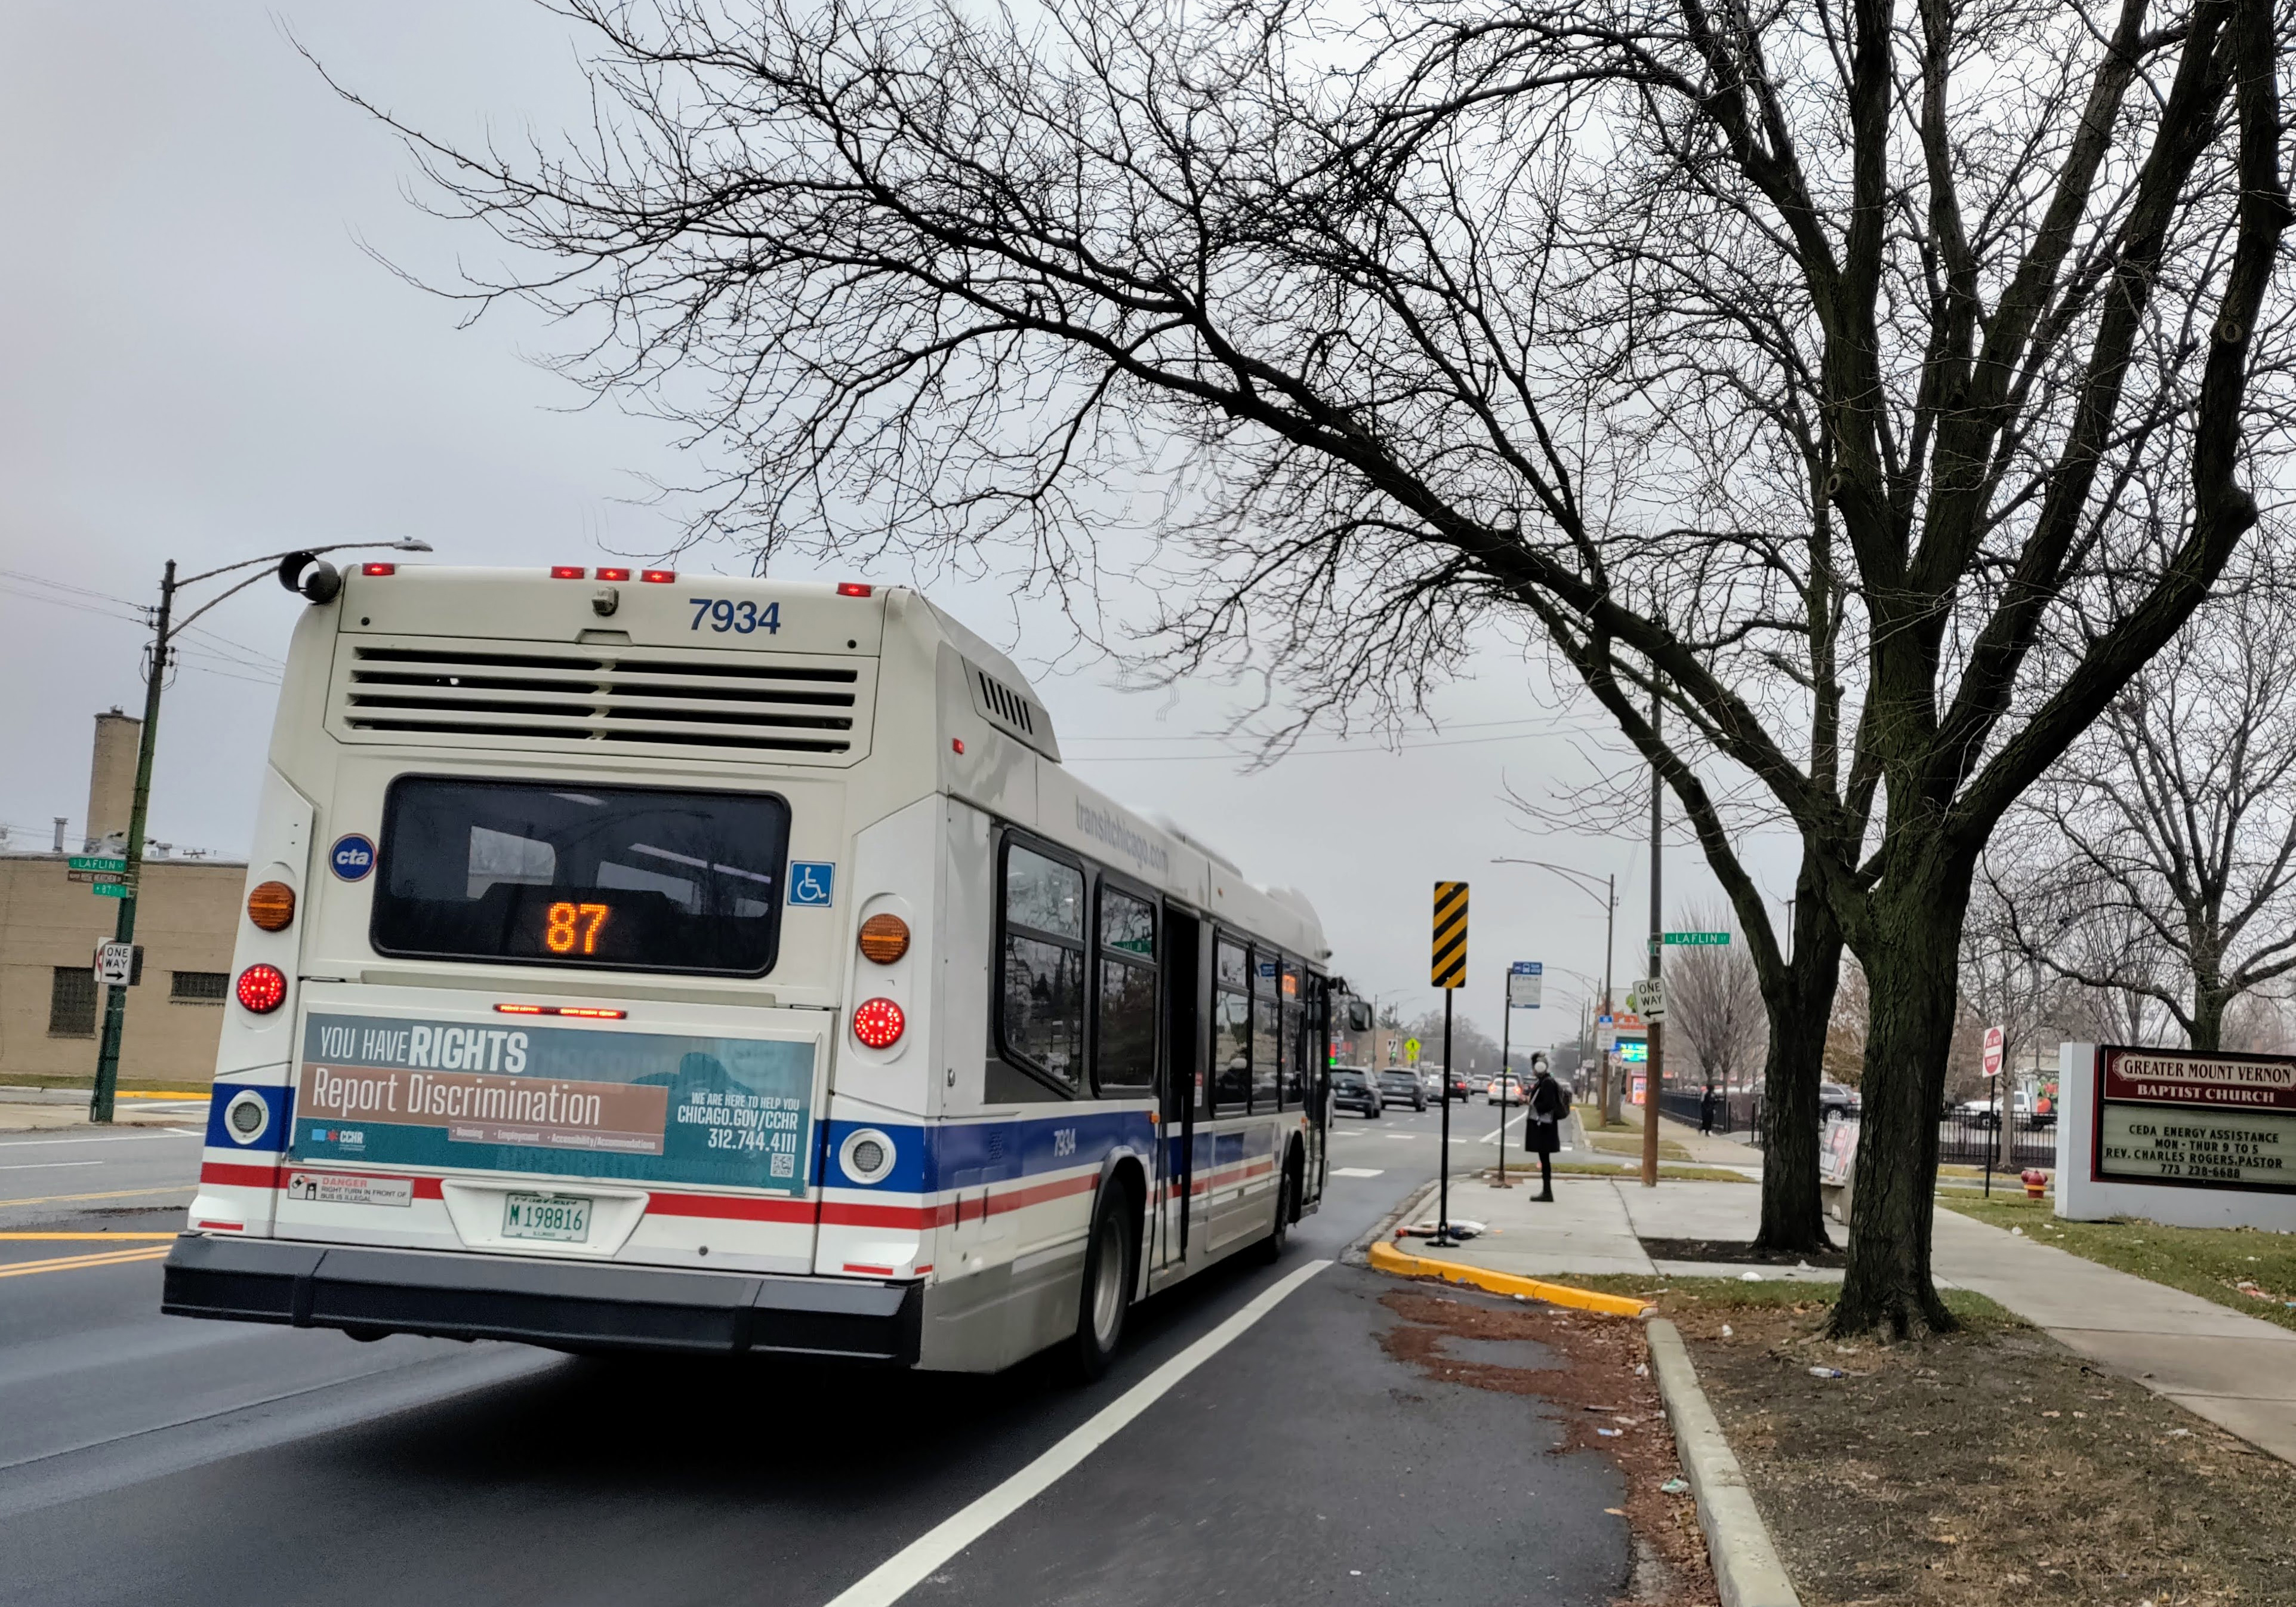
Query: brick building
[(187, 916)]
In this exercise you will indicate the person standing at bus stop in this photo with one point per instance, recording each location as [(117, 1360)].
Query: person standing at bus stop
[(1549, 1105)]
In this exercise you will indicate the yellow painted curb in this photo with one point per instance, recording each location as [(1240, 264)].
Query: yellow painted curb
[(1386, 1257)]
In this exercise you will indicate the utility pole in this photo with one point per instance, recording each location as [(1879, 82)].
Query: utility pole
[(1610, 947), (1655, 1073), (291, 566), (115, 995)]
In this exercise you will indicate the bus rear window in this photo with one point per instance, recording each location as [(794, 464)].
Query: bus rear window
[(620, 878)]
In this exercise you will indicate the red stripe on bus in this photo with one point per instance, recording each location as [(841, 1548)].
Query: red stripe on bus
[(734, 1208), (241, 1177)]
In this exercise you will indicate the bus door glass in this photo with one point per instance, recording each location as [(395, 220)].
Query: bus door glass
[(1183, 1083)]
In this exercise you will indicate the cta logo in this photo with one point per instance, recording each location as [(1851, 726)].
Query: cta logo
[(351, 858)]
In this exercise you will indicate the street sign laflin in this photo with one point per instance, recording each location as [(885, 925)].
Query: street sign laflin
[(94, 862), (1698, 940)]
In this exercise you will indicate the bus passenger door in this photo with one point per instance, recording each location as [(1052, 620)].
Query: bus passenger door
[(1178, 1096), (1316, 1050)]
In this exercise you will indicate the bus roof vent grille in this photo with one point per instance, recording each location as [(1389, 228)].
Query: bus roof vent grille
[(1011, 711), (516, 695)]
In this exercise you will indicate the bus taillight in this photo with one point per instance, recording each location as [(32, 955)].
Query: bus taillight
[(263, 988), (879, 1024)]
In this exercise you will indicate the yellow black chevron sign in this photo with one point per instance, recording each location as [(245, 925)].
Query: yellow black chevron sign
[(1451, 965)]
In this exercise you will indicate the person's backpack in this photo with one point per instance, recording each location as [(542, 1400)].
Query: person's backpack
[(1562, 1097)]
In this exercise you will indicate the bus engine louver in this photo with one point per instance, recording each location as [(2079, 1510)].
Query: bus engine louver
[(439, 692)]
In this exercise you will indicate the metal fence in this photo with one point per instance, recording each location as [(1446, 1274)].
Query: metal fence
[(1688, 1105), (1963, 1139), (1968, 1140)]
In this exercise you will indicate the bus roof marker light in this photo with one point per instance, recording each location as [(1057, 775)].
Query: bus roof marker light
[(613, 574), (378, 568), (659, 577), (879, 1024), (853, 588), (885, 937), (568, 572)]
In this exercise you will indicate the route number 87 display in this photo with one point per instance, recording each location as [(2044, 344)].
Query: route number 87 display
[(570, 925)]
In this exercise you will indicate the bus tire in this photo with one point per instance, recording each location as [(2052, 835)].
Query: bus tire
[(1107, 1288), (1287, 1210)]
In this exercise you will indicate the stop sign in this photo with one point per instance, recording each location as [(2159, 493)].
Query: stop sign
[(1993, 1037)]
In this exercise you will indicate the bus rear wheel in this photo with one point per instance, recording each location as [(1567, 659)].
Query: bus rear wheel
[(1287, 1207), (1107, 1288)]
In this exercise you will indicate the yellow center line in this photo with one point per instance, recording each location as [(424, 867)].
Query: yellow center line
[(118, 1257), (117, 1194), (111, 1237)]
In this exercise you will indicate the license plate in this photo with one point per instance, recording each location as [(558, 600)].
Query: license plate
[(558, 1217)]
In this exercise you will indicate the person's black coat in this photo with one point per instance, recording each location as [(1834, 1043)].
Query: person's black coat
[(1544, 1129)]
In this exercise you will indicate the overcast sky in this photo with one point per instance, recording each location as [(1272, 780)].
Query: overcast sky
[(202, 363)]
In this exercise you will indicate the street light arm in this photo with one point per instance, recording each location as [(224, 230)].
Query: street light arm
[(409, 545), (184, 623), (1586, 883)]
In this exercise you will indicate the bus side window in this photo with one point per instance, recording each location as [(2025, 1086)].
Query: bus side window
[(1267, 1036), (1040, 1011), (1124, 1043), (1231, 1026)]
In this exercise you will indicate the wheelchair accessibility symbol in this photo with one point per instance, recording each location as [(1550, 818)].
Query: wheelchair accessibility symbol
[(810, 882)]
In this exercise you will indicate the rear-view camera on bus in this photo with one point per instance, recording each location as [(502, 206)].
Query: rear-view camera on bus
[(626, 877)]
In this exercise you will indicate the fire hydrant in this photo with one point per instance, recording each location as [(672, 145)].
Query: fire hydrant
[(2036, 1182)]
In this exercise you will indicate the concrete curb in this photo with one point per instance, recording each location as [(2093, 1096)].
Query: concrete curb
[(1386, 1257), (1412, 1204), (1746, 1567)]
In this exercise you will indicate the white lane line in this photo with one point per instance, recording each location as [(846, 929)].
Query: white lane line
[(26, 1143), (918, 1560), (46, 1166), (1358, 1171), (1493, 1136)]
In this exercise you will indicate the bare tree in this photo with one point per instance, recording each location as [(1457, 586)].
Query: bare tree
[(2159, 857), (1853, 399), (1714, 1013)]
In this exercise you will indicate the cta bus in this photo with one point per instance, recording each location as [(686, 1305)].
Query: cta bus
[(660, 962)]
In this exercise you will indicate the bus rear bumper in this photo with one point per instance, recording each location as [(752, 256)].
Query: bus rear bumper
[(565, 1305)]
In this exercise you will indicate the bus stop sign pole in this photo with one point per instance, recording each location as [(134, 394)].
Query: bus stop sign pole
[(1448, 970)]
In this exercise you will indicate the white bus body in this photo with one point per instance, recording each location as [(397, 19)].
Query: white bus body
[(569, 1045)]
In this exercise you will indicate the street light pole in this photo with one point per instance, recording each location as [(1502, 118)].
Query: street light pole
[(1609, 900), (1654, 1072), (164, 629)]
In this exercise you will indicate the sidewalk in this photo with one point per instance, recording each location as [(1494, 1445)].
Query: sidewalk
[(1705, 1149), (30, 1110), (2236, 1370)]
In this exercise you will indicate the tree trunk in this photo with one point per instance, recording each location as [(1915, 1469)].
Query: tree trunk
[(1801, 1006), (1911, 969)]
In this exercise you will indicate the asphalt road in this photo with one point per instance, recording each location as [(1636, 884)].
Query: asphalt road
[(145, 1458)]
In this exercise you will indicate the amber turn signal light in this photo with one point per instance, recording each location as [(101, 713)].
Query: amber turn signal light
[(885, 938), (271, 905)]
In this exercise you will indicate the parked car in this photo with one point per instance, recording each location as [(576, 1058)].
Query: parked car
[(1837, 1099), (1503, 1090), (1402, 1087), (1981, 1110), (1353, 1089)]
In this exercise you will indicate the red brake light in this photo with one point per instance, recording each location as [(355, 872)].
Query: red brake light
[(659, 577), (567, 571), (879, 1024), (613, 574), (586, 1012), (262, 988), (378, 568), (853, 588)]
